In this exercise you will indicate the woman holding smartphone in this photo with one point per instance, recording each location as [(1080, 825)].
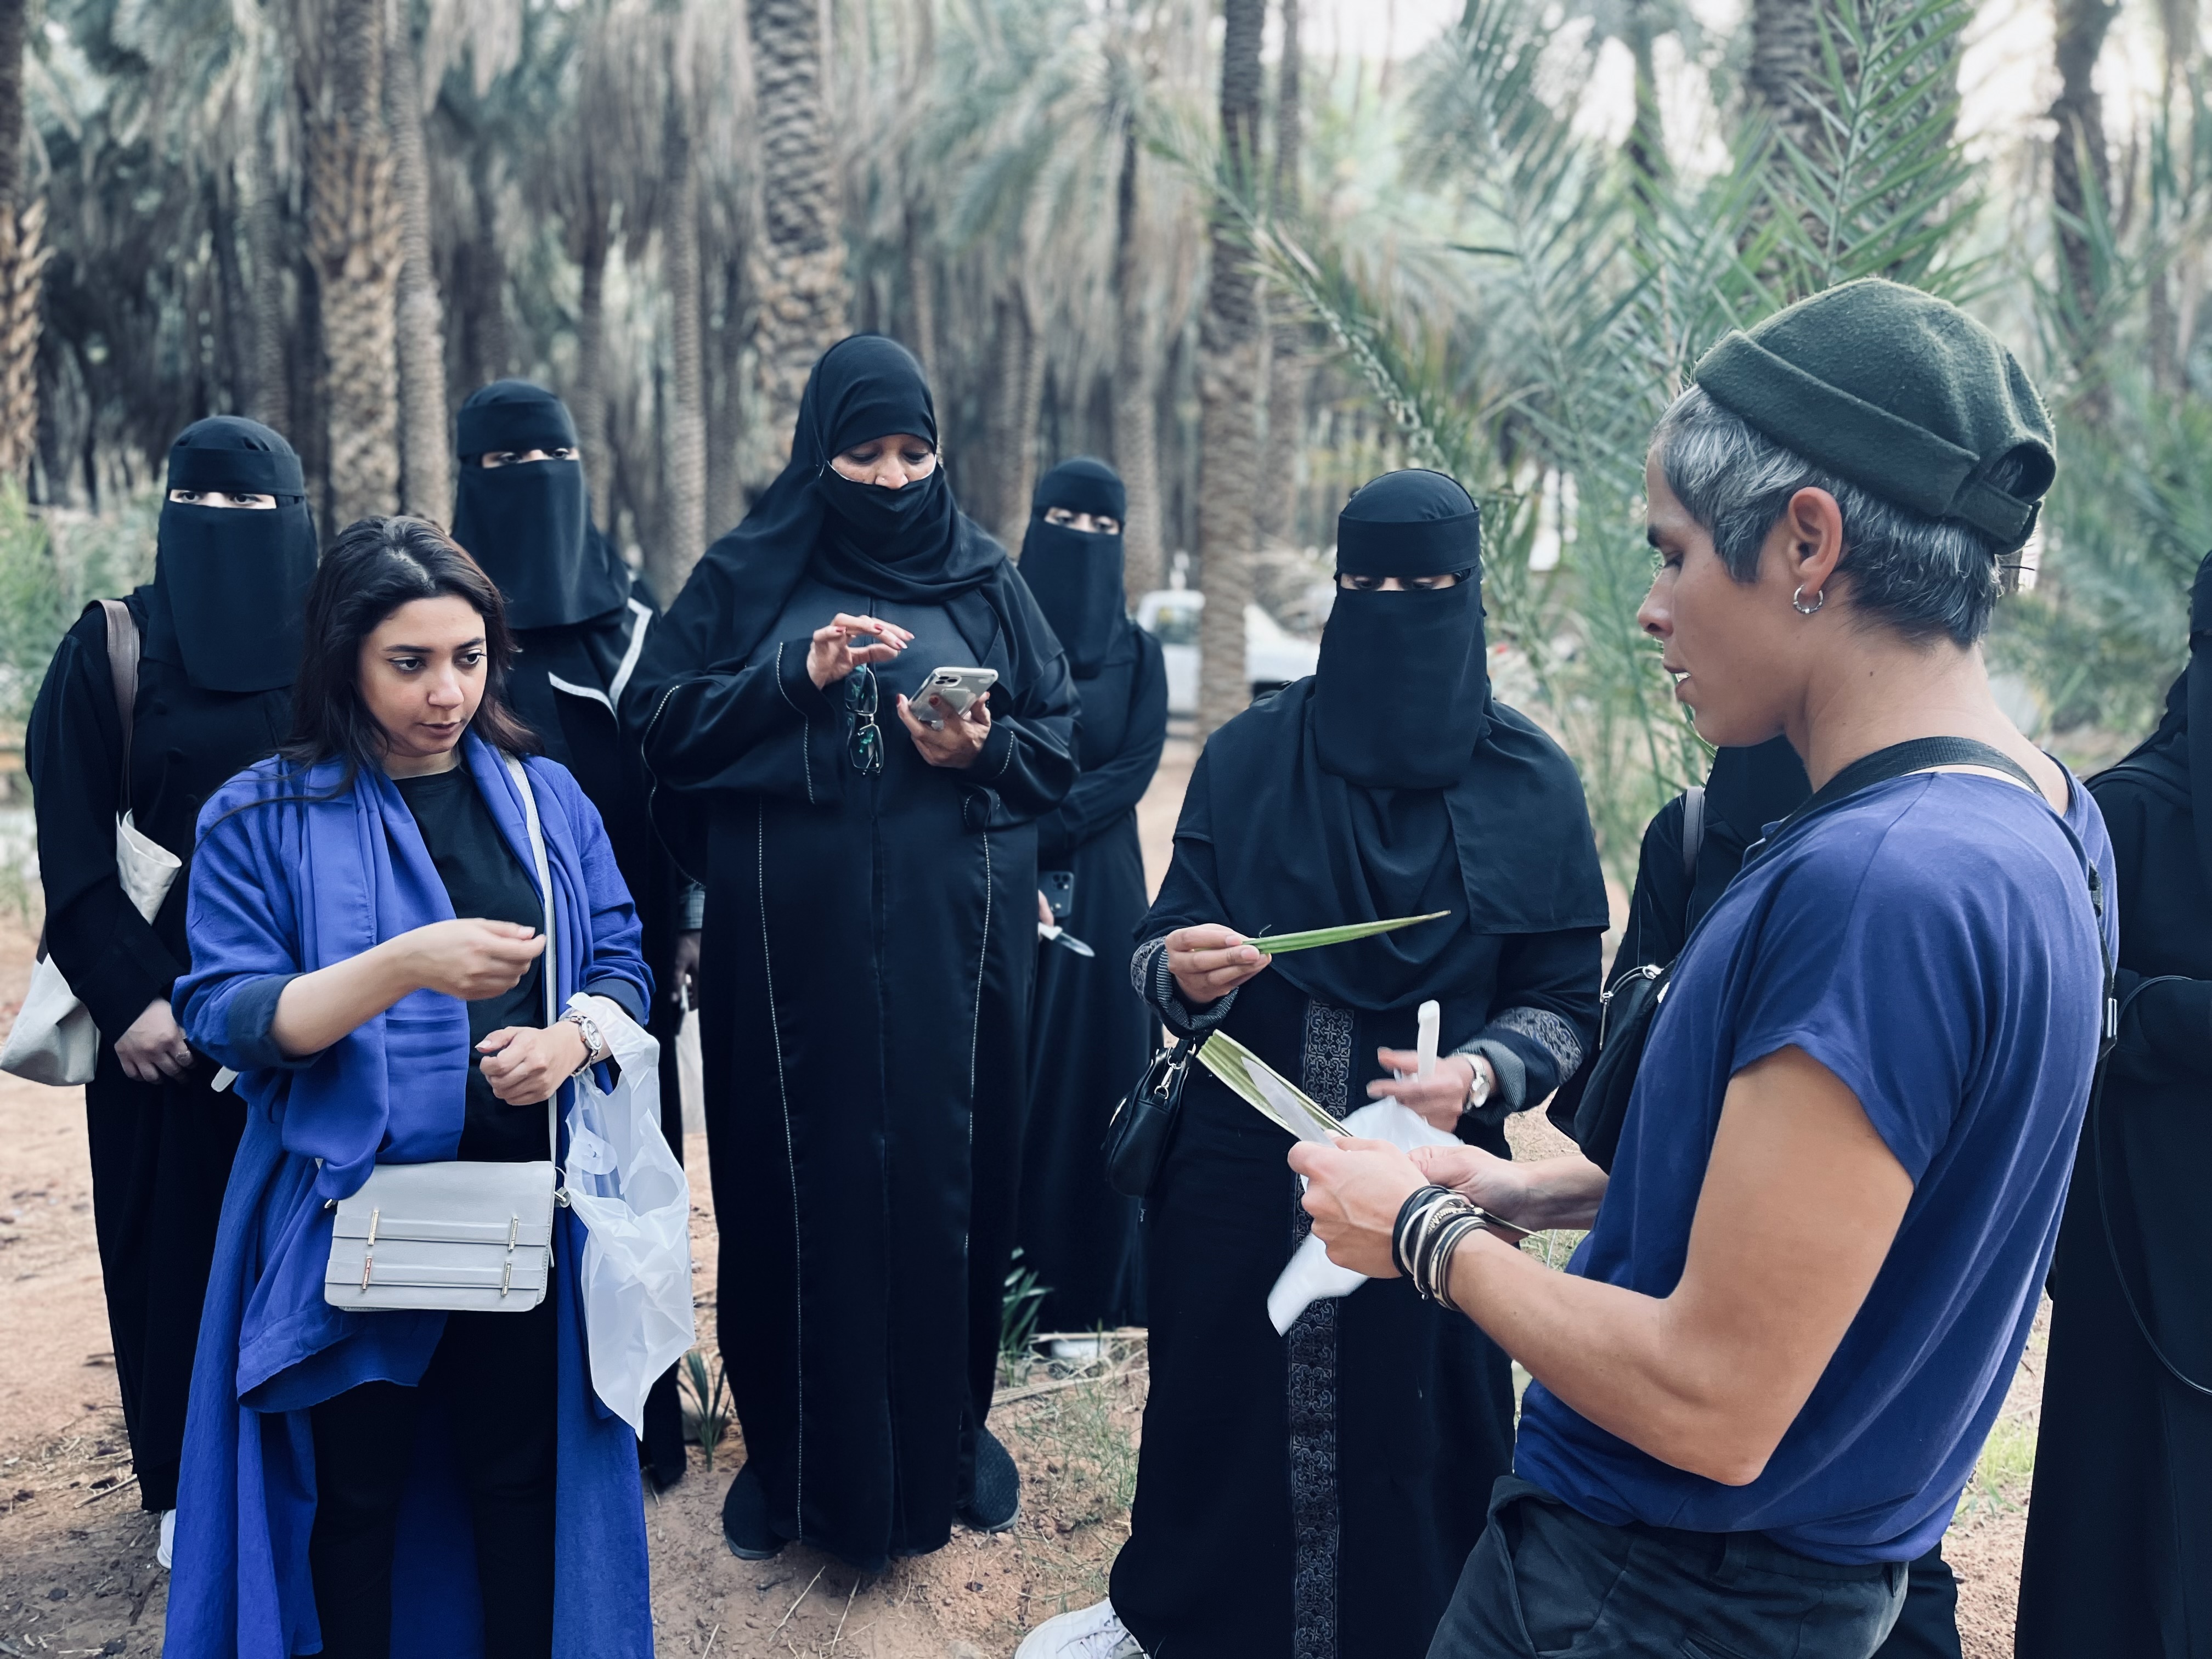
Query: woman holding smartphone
[(866, 960), (368, 942)]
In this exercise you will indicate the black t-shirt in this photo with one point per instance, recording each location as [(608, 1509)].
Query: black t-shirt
[(484, 877)]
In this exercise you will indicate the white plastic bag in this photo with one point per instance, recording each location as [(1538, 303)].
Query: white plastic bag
[(1311, 1275), (627, 1189)]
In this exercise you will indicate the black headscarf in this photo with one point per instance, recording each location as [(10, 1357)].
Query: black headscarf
[(1077, 575), (229, 600), (864, 387), (1751, 788), (1501, 837), (530, 526), (1401, 691), (2180, 750)]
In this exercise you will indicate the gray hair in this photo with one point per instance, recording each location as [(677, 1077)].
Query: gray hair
[(1923, 577)]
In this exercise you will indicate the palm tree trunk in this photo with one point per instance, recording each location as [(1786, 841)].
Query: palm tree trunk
[(2080, 173), (354, 236), (266, 241), (1230, 387), (1287, 370), (1785, 54), (23, 258), (588, 402), (1018, 448), (669, 556), (726, 411), (1136, 386), (801, 285), (426, 470)]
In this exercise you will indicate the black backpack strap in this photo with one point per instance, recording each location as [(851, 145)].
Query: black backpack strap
[(2093, 1126), (1693, 830)]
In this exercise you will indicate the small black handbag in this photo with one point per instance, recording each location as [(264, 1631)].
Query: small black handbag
[(1138, 1134)]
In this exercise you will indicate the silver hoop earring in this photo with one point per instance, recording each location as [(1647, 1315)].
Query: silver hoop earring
[(1797, 601)]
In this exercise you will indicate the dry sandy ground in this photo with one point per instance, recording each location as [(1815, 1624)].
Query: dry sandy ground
[(76, 1573)]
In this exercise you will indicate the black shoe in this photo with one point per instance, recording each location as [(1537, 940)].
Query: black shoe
[(746, 1528), (994, 1503)]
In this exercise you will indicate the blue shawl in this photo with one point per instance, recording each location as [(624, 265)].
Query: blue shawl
[(284, 883)]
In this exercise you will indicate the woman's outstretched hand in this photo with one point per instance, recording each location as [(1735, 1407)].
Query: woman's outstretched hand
[(834, 652), (1210, 961), (471, 959), (525, 1064), (957, 742)]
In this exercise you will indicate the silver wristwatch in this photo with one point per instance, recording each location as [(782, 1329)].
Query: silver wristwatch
[(595, 1046)]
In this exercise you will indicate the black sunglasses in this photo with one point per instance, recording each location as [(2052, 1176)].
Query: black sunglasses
[(864, 747)]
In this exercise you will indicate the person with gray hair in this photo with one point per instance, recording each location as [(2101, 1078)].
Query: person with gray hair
[(1763, 1382)]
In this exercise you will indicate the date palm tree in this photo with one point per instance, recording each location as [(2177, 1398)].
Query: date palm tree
[(355, 239), (800, 280), (1230, 382)]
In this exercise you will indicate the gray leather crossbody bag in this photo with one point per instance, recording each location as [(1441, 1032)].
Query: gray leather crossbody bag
[(460, 1237)]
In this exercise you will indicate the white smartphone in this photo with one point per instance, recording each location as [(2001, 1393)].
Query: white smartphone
[(949, 691)]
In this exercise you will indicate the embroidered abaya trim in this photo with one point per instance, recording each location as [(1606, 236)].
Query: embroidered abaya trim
[(1325, 1073)]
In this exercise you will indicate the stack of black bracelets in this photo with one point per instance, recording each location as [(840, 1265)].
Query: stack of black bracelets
[(1431, 1222)]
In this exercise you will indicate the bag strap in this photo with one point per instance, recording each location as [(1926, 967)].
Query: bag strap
[(1693, 830), (1900, 760), (2093, 1126), (123, 669), (516, 770)]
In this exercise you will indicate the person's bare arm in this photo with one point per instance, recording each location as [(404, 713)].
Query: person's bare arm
[(1800, 1202), (1544, 1194), (471, 959)]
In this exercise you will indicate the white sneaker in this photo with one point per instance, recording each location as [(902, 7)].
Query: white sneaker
[(1089, 1633), (169, 1538)]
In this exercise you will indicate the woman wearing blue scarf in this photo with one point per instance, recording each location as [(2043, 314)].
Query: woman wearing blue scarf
[(370, 1025)]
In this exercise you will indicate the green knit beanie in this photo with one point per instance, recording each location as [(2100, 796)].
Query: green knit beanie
[(1897, 391)]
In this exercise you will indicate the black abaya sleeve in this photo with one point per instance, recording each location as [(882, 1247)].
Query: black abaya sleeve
[(765, 729), (1543, 1018), (73, 751), (1027, 765), (1188, 897), (1103, 793)]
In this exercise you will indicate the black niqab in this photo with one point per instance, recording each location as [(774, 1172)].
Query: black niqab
[(1502, 839), (229, 600), (1750, 788), (529, 525), (1401, 690), (1077, 575)]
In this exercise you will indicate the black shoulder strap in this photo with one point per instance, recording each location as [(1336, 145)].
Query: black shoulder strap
[(2093, 1126), (1693, 830), (123, 669), (1900, 760)]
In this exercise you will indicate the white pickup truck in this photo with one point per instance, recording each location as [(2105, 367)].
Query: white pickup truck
[(1272, 657)]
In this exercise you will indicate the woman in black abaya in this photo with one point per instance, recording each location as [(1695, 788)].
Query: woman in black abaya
[(220, 628), (1317, 1493), (2120, 1532), (869, 950), (580, 618), (1090, 1038)]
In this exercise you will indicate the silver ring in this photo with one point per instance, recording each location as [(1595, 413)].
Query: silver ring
[(1797, 601)]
